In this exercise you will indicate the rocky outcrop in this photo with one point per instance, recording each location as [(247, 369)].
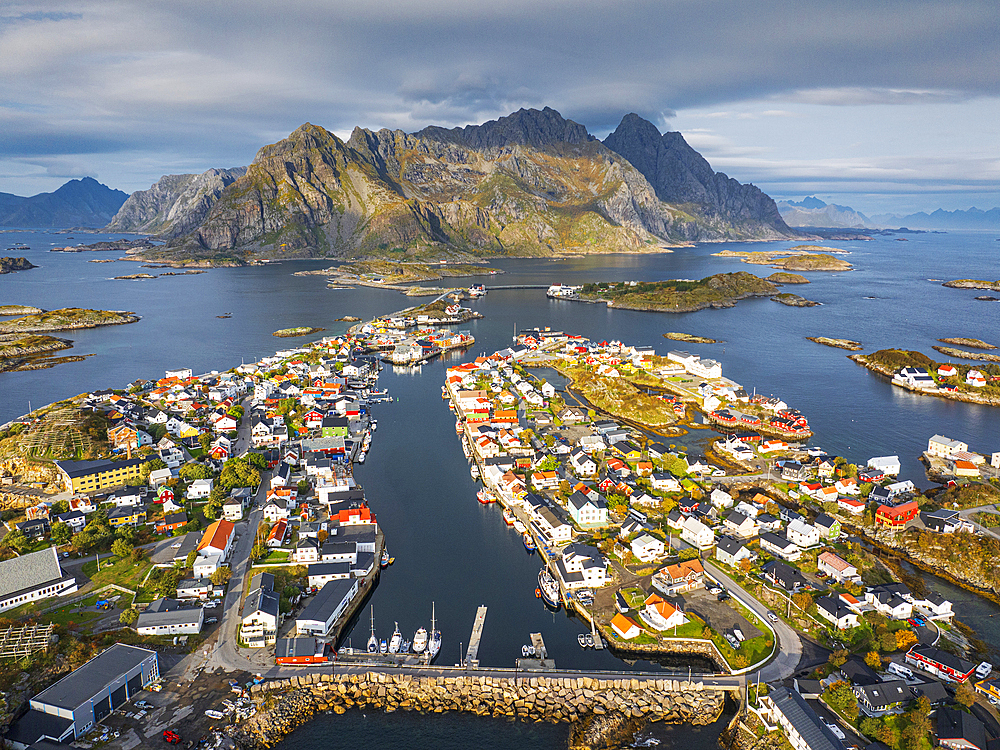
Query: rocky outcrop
[(175, 204), (532, 183), (680, 175), (599, 709), (973, 284), (9, 265), (78, 203)]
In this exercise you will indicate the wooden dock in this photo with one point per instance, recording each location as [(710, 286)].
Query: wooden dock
[(541, 660), (472, 655)]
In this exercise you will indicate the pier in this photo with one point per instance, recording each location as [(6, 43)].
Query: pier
[(472, 655)]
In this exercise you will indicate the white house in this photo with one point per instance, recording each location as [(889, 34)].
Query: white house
[(836, 567), (664, 482), (721, 498), (944, 447), (780, 546), (587, 511), (802, 534), (199, 489), (838, 613), (888, 465), (660, 614), (741, 525), (732, 552), (582, 464), (168, 617), (697, 534), (647, 548), (581, 566)]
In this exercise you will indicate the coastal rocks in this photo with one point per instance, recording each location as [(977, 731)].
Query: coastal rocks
[(288, 333), (67, 319), (10, 265), (689, 338), (783, 277), (851, 346), (19, 310), (794, 300), (993, 286), (799, 258), (951, 351), (971, 343), (135, 276), (605, 709), (987, 298)]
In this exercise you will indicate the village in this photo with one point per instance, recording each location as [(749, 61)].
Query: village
[(663, 551), (223, 515)]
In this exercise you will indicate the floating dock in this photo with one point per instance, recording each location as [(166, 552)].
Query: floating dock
[(541, 659)]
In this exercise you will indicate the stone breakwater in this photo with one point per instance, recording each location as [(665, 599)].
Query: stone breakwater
[(599, 709)]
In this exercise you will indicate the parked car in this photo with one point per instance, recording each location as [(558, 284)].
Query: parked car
[(211, 620)]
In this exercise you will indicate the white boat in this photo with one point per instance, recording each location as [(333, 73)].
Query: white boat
[(383, 647), (373, 641), (361, 457), (213, 714), (420, 640), (474, 470), (374, 425), (396, 641), (434, 644), (519, 526)]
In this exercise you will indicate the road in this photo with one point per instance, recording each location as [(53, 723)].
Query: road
[(789, 645), (967, 515)]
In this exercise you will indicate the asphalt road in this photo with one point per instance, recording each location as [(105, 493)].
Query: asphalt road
[(789, 646)]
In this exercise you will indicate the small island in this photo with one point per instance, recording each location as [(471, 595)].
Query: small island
[(383, 273), (920, 374), (851, 346), (971, 343), (10, 265), (32, 352), (951, 351), (290, 333), (794, 300), (67, 319), (993, 286), (689, 338), (783, 277), (135, 276), (798, 258), (679, 295)]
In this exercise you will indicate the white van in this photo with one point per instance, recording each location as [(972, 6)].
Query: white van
[(900, 671)]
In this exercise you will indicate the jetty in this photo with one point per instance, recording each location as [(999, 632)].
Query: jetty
[(472, 654)]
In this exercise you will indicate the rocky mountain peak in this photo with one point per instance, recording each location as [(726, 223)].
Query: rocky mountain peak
[(680, 175), (526, 127)]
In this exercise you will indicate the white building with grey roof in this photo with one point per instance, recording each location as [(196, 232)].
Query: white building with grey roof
[(32, 577)]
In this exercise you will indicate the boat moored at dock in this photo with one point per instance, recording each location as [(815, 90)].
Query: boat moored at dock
[(549, 588)]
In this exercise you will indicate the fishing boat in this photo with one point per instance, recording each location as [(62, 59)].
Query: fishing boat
[(420, 640), (519, 526), (434, 644), (529, 543), (465, 447), (549, 587), (385, 558), (374, 425), (396, 641), (509, 517), (383, 647), (474, 470), (373, 641), (485, 496), (458, 427), (361, 457)]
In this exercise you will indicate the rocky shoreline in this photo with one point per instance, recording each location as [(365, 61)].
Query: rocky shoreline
[(10, 265), (951, 351), (993, 286), (794, 300), (971, 398), (848, 344), (599, 710), (67, 319)]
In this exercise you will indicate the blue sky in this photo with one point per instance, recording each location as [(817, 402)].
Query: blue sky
[(887, 106)]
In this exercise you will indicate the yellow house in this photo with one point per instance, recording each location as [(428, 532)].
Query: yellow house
[(126, 516), (94, 476)]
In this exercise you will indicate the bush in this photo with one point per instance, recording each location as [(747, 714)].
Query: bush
[(841, 698)]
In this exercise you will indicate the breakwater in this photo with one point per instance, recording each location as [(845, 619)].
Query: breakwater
[(598, 709)]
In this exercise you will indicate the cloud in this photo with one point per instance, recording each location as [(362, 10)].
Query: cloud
[(145, 82)]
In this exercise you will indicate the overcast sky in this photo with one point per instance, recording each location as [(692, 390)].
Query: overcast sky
[(879, 105)]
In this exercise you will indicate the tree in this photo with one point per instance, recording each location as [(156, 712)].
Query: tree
[(157, 432), (904, 639), (256, 460), (121, 548), (60, 506), (965, 694), (745, 565), (191, 558), (150, 466), (302, 486), (128, 617), (205, 441), (887, 641), (195, 470), (838, 657), (221, 576), (16, 540), (873, 660), (258, 551), (802, 600), (61, 532), (137, 554), (841, 698)]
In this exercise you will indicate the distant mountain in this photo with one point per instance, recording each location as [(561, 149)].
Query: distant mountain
[(681, 176), (531, 183), (973, 218), (78, 203), (812, 212), (175, 205)]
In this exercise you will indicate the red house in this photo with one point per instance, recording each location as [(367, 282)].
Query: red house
[(940, 663), (171, 522), (300, 651), (896, 516)]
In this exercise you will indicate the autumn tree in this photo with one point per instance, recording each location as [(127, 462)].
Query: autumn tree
[(221, 576), (873, 660), (965, 694), (802, 600), (904, 639), (128, 617), (121, 548), (838, 657), (841, 698)]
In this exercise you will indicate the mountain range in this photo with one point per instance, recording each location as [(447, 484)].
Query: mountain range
[(78, 203), (813, 212), (531, 183)]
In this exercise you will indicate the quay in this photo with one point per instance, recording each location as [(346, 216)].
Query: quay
[(472, 655)]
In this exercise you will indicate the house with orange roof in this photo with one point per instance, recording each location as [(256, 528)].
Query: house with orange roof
[(217, 539), (679, 578), (625, 627), (660, 614)]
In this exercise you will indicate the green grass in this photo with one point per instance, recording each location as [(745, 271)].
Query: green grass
[(123, 572), (275, 557)]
